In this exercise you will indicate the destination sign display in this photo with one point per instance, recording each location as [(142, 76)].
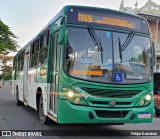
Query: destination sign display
[(106, 18), (113, 21)]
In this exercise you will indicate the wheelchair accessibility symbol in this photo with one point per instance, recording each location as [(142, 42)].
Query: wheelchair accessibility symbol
[(118, 77)]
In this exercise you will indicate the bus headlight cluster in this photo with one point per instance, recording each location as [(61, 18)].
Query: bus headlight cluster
[(146, 100), (75, 98)]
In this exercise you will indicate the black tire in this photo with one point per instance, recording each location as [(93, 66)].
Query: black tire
[(18, 102), (43, 118)]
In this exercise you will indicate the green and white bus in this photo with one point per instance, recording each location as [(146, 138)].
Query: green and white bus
[(88, 65)]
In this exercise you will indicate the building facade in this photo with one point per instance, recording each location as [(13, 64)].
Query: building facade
[(151, 12)]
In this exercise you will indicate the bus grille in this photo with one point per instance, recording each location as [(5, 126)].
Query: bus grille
[(111, 114), (110, 93), (107, 103)]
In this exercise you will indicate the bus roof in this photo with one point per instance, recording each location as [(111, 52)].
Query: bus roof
[(63, 12), (65, 8)]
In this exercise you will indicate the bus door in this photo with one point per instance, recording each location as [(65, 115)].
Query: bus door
[(25, 79), (54, 73)]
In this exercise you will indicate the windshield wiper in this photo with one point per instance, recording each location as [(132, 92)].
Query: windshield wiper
[(127, 41), (96, 41), (125, 44), (120, 49)]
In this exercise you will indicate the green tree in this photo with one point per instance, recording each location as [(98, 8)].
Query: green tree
[(7, 38), (8, 76), (6, 63), (8, 44)]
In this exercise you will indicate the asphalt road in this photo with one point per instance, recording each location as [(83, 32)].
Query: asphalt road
[(14, 117)]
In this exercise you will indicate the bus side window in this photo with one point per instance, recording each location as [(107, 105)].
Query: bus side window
[(34, 53), (43, 53), (20, 61)]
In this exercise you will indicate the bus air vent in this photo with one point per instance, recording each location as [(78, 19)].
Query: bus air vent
[(111, 114), (111, 93), (100, 102)]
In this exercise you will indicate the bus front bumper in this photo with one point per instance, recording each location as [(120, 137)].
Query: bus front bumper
[(69, 113)]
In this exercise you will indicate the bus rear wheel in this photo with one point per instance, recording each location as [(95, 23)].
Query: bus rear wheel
[(43, 118), (18, 102)]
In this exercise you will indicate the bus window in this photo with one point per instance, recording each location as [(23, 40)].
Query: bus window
[(34, 54), (21, 61), (43, 53), (43, 56)]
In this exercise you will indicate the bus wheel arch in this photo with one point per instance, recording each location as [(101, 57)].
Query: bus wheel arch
[(40, 107), (38, 95)]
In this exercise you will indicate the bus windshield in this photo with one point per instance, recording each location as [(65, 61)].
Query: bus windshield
[(128, 55)]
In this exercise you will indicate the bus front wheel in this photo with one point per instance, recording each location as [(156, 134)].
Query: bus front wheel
[(43, 118)]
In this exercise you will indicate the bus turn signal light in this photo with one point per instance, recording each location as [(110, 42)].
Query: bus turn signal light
[(43, 71)]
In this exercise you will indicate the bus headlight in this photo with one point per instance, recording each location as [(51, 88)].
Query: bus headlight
[(148, 97), (70, 94), (142, 102), (75, 98), (146, 100)]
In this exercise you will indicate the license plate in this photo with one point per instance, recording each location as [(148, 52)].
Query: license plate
[(144, 115)]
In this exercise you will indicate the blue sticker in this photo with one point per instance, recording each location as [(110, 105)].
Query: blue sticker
[(118, 77), (86, 60), (108, 34), (110, 66), (103, 66), (103, 75)]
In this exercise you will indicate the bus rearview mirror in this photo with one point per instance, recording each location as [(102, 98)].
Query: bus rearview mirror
[(153, 53), (61, 36)]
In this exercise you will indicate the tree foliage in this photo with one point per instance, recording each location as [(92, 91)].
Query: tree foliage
[(7, 76), (7, 38), (6, 63), (7, 44)]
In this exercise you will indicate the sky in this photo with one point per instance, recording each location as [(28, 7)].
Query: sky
[(27, 17)]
